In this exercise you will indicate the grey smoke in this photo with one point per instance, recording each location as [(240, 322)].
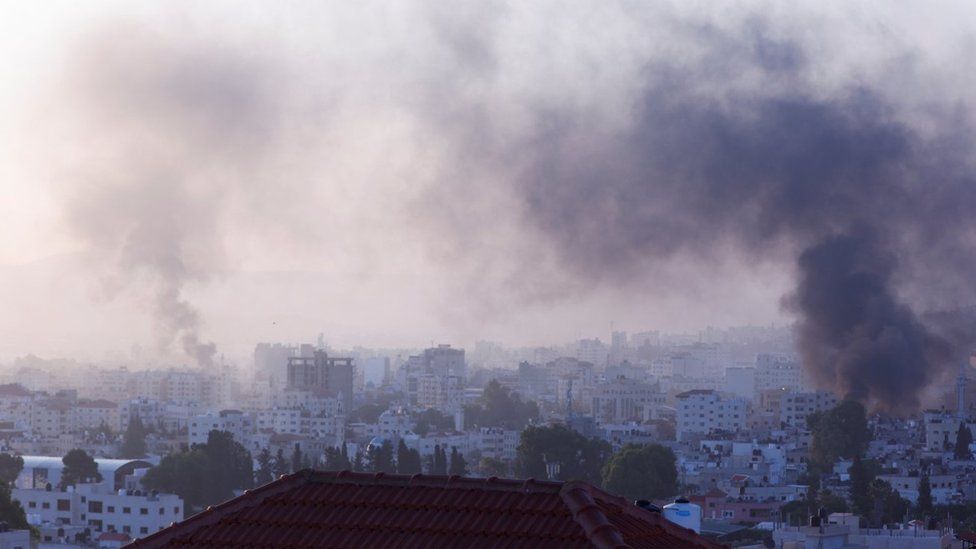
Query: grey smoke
[(738, 148), (176, 129)]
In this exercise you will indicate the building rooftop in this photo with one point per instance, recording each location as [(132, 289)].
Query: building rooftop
[(346, 509)]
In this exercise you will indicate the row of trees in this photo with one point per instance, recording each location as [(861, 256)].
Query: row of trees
[(206, 474), (500, 407), (407, 461), (635, 471)]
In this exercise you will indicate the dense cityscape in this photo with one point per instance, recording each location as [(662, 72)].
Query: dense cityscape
[(725, 417), (487, 274)]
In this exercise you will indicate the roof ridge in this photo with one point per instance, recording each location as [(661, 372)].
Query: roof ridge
[(214, 514), (585, 511), (454, 482)]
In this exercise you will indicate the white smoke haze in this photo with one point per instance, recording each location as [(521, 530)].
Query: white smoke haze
[(519, 171)]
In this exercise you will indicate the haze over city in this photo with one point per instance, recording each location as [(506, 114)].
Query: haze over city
[(418, 224)]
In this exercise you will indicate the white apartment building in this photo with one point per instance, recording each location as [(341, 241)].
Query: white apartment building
[(624, 399), (237, 423), (795, 407), (779, 371), (497, 443), (946, 489), (91, 506), (940, 431), (92, 414), (702, 411), (441, 392), (315, 402)]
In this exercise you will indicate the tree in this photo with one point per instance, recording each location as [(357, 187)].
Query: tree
[(367, 413), (924, 496), (491, 467), (439, 461), (458, 465), (500, 407), (832, 503), (337, 460), (642, 472), (79, 467), (861, 474), (134, 439), (408, 460), (11, 511), (888, 506), (841, 432), (296, 458), (280, 465), (547, 449), (205, 474), (964, 437), (380, 457), (264, 474), (432, 419), (10, 467)]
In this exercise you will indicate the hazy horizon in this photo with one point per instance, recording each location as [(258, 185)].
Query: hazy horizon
[(194, 179)]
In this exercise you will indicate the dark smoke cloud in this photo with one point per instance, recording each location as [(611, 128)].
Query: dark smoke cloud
[(728, 142), (871, 208)]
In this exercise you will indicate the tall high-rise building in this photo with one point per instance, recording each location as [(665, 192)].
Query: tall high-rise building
[(323, 373)]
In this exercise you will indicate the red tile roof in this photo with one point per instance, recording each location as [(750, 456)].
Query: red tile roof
[(345, 509)]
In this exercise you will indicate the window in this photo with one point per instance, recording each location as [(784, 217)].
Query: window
[(127, 529), (162, 510), (94, 507), (143, 511), (126, 510), (111, 509), (46, 505), (176, 510), (32, 504), (64, 505)]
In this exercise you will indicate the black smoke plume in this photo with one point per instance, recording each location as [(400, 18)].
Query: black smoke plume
[(873, 210)]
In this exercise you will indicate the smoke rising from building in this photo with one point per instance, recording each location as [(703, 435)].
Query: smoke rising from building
[(545, 163)]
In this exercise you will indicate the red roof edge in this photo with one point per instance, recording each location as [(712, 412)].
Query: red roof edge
[(590, 517), (628, 508), (212, 515)]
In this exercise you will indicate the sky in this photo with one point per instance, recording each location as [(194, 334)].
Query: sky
[(192, 179)]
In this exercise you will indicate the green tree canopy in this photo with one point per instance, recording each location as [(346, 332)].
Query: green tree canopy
[(380, 457), (889, 507), (134, 440), (337, 459), (280, 464), (500, 407), (924, 496), (206, 474), (11, 512), (367, 413), (862, 473), (964, 437), (432, 419), (263, 474), (642, 472), (10, 467), (491, 467), (841, 432), (407, 460), (296, 458), (458, 465), (575, 456), (79, 467)]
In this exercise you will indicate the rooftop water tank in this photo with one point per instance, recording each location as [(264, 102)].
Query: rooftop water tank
[(683, 513)]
